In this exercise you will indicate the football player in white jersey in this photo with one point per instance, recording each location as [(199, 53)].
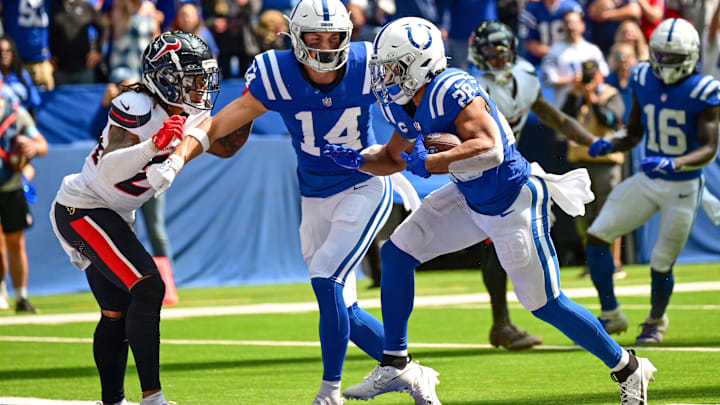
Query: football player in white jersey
[(94, 210), (513, 85), (494, 193), (321, 88), (677, 110)]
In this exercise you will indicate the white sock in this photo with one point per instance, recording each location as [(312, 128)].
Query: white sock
[(624, 361), (154, 399), (397, 353), (330, 389), (123, 402), (21, 292)]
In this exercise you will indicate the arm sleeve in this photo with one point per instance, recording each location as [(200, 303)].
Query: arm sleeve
[(122, 164)]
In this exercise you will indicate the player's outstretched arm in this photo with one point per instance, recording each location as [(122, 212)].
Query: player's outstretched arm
[(387, 160), (479, 150), (561, 122), (708, 139), (226, 146), (634, 132)]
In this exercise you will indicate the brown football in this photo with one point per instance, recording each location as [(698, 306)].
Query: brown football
[(441, 141), (16, 159)]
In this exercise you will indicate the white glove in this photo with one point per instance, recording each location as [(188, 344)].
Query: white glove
[(161, 176)]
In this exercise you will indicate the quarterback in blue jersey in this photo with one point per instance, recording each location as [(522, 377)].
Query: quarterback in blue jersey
[(495, 193), (677, 110), (321, 88)]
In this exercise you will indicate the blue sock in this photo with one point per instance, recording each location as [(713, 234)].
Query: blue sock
[(334, 326), (581, 327), (662, 287), (366, 331), (397, 292), (601, 265)]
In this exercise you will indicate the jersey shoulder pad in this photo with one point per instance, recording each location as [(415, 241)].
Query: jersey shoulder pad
[(704, 88), (358, 69), (639, 76), (264, 78), (131, 110), (451, 91)]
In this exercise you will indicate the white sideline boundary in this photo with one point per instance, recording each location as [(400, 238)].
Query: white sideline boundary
[(300, 307), (40, 401), (290, 343)]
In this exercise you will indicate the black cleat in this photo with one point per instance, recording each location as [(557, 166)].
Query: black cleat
[(511, 337), (23, 305)]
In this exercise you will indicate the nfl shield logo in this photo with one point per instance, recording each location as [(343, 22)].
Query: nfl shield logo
[(327, 101), (417, 126)]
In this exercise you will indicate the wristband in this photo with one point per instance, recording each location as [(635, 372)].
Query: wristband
[(201, 136), (176, 161)]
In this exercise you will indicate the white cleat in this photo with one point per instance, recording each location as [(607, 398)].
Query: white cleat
[(634, 390), (613, 321), (324, 400), (423, 388), (382, 380)]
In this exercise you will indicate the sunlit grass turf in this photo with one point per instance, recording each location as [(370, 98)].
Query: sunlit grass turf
[(212, 374)]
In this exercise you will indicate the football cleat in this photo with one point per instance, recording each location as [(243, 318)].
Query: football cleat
[(613, 321), (511, 337), (23, 305), (653, 330), (423, 388), (325, 400), (633, 391), (384, 379)]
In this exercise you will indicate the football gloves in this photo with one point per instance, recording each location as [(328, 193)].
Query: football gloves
[(161, 176), (416, 160), (344, 156), (600, 147), (172, 128), (655, 166)]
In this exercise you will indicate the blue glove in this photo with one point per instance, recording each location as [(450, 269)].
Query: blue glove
[(29, 190), (600, 147), (344, 156), (416, 160), (655, 166)]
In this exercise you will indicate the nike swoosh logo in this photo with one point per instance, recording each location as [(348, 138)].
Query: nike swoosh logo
[(681, 195), (382, 386), (504, 214), (126, 107), (359, 187)]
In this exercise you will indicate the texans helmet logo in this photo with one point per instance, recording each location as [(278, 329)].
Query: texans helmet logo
[(169, 44)]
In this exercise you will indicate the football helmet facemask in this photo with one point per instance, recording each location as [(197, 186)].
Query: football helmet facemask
[(493, 49), (674, 50), (314, 16), (179, 68), (407, 54)]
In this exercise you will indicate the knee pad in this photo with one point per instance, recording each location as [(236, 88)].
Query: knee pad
[(411, 237), (147, 294), (513, 249)]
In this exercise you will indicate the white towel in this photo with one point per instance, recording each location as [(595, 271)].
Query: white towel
[(571, 191), (711, 205)]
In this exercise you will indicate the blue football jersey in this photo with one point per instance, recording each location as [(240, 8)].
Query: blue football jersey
[(445, 96), (539, 23), (315, 118), (26, 21), (670, 113)]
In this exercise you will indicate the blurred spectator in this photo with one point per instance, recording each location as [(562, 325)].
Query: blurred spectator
[(622, 60), (561, 66), (711, 46), (75, 55), (231, 23), (541, 26), (270, 24), (652, 15), (19, 131), (465, 15), (630, 33), (17, 81), (605, 18), (26, 21), (134, 24), (509, 12), (368, 17), (431, 10), (687, 9), (599, 108), (188, 19)]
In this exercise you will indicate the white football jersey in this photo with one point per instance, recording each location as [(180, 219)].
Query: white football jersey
[(140, 115), (515, 97)]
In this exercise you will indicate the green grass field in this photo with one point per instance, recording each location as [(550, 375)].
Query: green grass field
[(213, 366)]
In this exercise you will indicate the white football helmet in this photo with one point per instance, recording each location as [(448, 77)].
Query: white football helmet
[(407, 53), (674, 50), (320, 16)]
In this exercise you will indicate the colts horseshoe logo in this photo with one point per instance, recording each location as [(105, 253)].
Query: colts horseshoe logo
[(426, 45)]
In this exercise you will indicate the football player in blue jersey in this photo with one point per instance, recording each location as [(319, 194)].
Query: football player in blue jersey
[(677, 110), (321, 88), (494, 193)]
